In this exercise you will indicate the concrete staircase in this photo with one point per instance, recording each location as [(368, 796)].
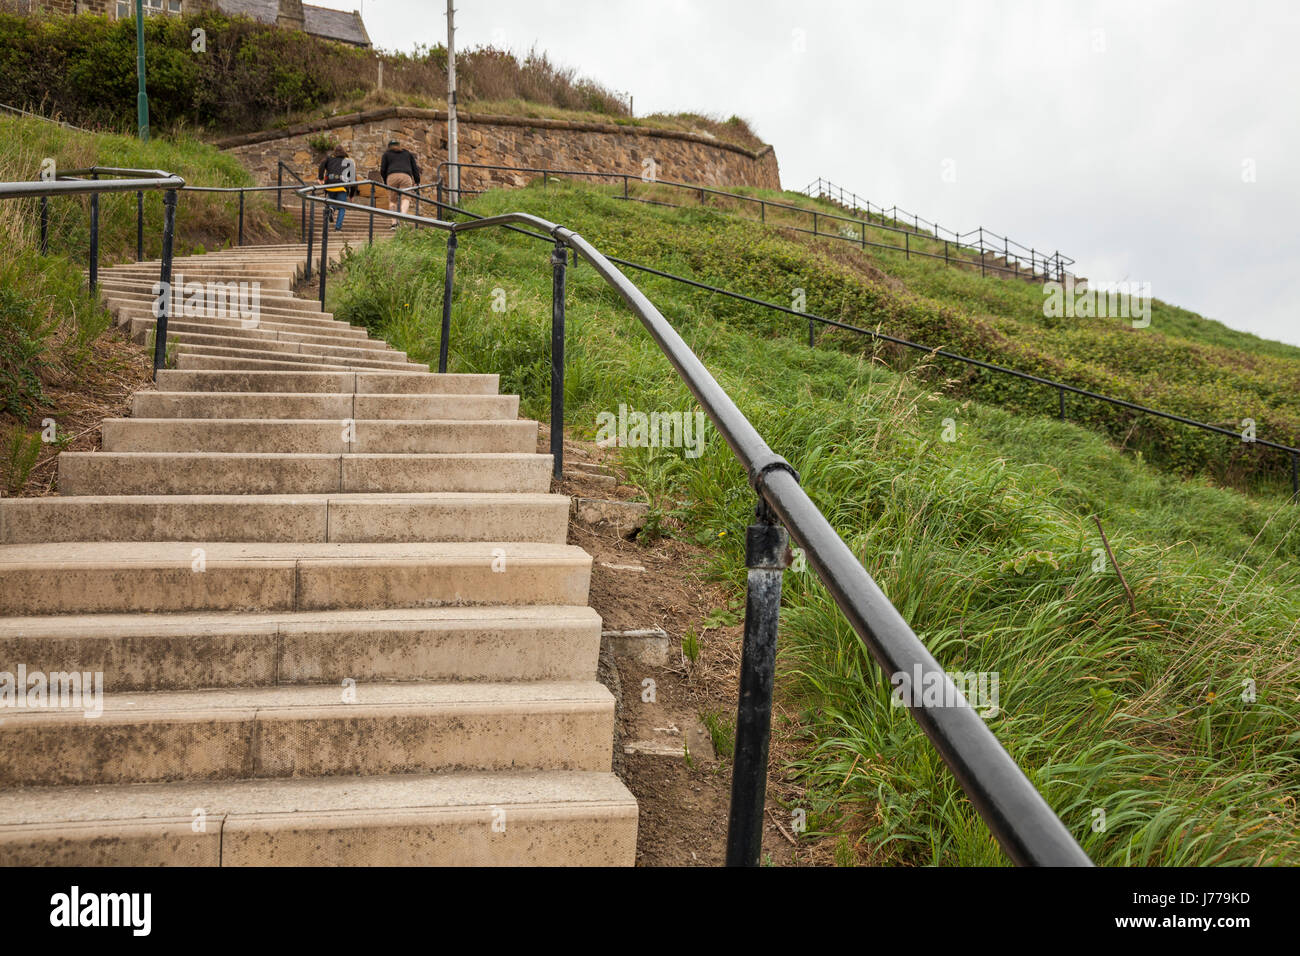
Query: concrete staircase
[(331, 600)]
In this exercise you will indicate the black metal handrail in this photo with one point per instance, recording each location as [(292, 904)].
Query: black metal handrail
[(71, 182), (1026, 263), (1014, 811)]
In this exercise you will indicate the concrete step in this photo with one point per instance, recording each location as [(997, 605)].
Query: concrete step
[(198, 271), (289, 359), (209, 473), (137, 652), (508, 818), (319, 437), (269, 281), (400, 383), (198, 362), (336, 407), (269, 301), (311, 731), (141, 305), (253, 340), (258, 329), (128, 578), (447, 516)]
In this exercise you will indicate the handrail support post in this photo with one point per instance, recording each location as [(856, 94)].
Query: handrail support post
[(165, 278), (311, 233), (767, 555), (558, 263), (444, 339), (324, 251), (94, 240)]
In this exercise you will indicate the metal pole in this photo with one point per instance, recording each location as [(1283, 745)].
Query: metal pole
[(45, 225), (453, 131), (279, 182), (302, 219), (165, 300), (241, 217), (311, 232), (142, 98), (558, 259), (445, 339), (907, 245), (766, 557), (371, 239), (324, 252), (139, 225), (94, 239)]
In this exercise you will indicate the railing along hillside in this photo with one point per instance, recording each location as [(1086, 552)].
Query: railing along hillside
[(985, 242)]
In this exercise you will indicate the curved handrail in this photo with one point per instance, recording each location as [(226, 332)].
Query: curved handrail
[(69, 182), (1014, 811)]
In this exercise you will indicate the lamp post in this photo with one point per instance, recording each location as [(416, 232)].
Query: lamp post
[(142, 98), (453, 131)]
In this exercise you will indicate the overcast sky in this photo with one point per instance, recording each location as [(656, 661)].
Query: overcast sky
[(1124, 134)]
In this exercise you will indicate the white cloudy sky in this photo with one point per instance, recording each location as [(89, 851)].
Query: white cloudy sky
[(1117, 132)]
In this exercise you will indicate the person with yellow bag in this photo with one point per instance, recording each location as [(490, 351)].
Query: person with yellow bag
[(338, 167)]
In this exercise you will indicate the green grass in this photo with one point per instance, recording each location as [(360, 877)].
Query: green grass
[(49, 320), (986, 544), (1183, 363)]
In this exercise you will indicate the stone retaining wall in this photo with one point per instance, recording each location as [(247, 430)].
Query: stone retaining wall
[(508, 141)]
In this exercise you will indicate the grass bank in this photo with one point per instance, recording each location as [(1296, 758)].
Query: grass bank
[(58, 360)]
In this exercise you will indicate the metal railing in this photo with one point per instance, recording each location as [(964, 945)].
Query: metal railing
[(983, 241), (86, 181), (1014, 811), (975, 250), (28, 114)]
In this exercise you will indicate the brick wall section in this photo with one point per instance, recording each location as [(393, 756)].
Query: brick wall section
[(508, 141)]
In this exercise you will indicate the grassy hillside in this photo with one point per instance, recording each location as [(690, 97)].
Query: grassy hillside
[(1181, 363), (55, 355), (987, 544)]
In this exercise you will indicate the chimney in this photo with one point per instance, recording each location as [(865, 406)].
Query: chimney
[(291, 15)]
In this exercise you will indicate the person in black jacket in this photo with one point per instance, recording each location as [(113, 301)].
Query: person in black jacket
[(399, 169), (337, 168)]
